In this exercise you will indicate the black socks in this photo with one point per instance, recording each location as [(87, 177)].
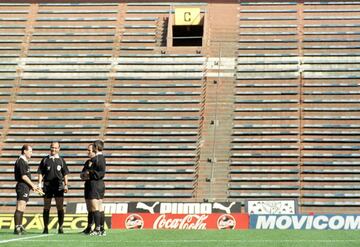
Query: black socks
[(18, 217), (97, 219), (90, 219), (102, 220), (60, 218), (46, 214)]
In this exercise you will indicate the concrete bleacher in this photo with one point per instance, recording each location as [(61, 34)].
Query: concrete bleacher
[(318, 106), (282, 122), (66, 28), (154, 110), (143, 27), (12, 33), (75, 87), (330, 103), (264, 150)]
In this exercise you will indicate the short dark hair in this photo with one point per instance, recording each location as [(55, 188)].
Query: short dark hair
[(54, 143), (24, 148), (98, 145)]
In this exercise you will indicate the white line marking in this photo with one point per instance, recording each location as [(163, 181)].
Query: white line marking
[(25, 238), (197, 240)]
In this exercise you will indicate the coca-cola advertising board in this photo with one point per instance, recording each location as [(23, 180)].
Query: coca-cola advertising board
[(180, 221)]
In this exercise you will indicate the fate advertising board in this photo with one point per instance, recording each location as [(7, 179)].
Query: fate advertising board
[(35, 221)]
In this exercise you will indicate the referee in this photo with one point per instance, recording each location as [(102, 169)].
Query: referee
[(23, 178), (84, 175), (97, 187), (53, 173)]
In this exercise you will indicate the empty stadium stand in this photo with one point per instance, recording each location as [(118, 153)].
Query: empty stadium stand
[(265, 159), (266, 108), (84, 75)]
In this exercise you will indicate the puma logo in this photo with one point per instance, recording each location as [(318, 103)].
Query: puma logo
[(222, 207), (146, 207)]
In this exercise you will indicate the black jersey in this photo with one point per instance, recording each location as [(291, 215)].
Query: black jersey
[(53, 168), (21, 168), (95, 186), (86, 168), (97, 167), (87, 165)]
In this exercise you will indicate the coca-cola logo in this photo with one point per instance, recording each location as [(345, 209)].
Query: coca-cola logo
[(134, 221), (190, 221), (226, 221)]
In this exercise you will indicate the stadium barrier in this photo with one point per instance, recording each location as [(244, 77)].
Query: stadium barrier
[(35, 221), (259, 214), (180, 221), (306, 222)]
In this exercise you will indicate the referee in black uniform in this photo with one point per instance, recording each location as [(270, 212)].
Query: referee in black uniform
[(23, 186), (53, 173), (96, 192), (84, 175)]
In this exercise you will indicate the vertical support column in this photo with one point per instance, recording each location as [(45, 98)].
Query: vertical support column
[(198, 187), (300, 32), (114, 61), (200, 142), (169, 38)]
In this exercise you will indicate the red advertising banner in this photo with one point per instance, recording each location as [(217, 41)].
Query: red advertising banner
[(180, 221)]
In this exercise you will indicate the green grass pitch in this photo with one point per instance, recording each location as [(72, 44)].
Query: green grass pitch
[(171, 238)]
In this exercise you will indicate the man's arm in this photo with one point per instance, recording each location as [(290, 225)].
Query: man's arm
[(39, 172), (66, 188), (29, 182), (65, 171), (84, 174), (99, 172), (32, 185), (40, 179)]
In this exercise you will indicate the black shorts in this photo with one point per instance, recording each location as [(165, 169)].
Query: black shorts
[(94, 189), (53, 189), (22, 192)]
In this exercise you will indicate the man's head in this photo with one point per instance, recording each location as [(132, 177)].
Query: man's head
[(98, 146), (26, 150), (90, 151), (54, 148)]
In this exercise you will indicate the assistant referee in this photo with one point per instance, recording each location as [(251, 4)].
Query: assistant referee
[(84, 175), (23, 186), (96, 191)]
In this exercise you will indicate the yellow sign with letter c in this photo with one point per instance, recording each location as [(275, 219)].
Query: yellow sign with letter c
[(187, 16)]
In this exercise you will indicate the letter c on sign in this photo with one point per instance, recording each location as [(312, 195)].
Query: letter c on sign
[(187, 16)]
